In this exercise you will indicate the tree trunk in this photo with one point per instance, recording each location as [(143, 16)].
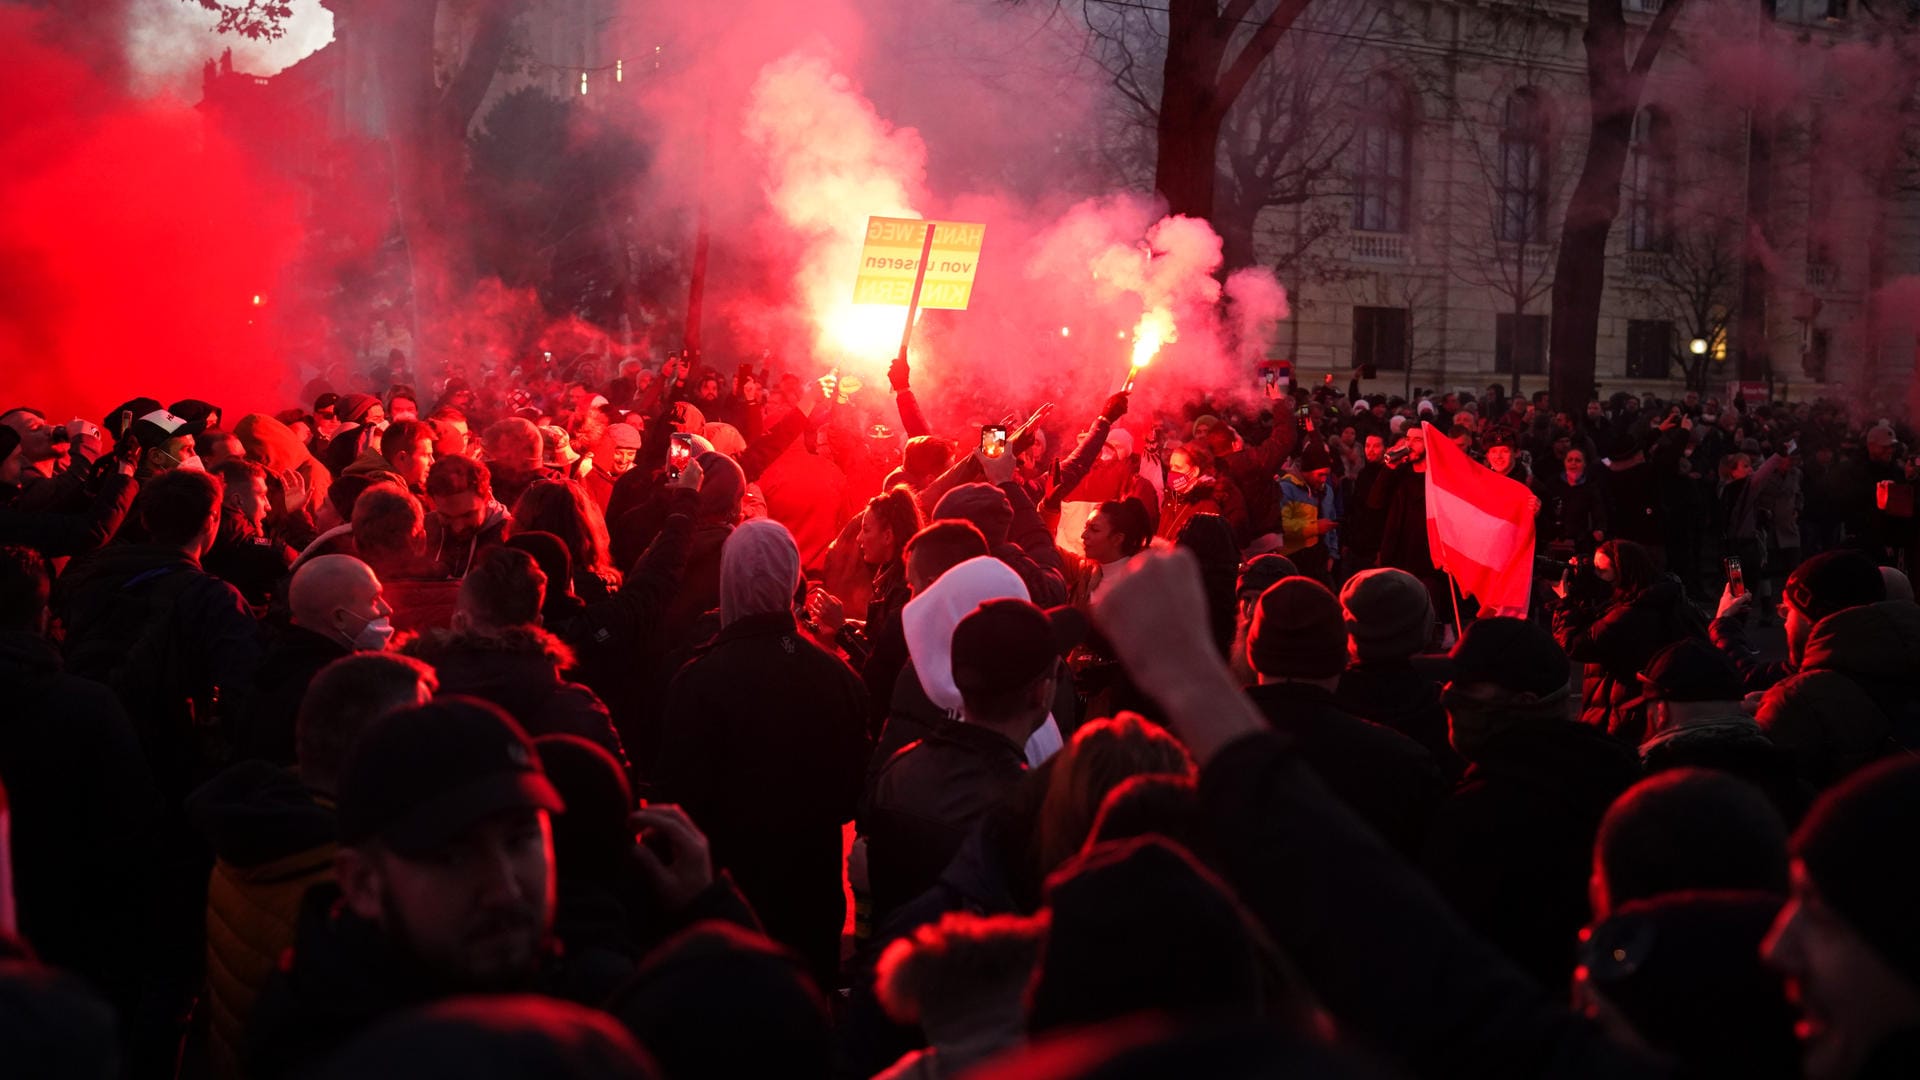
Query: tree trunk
[(1754, 350), (1580, 269), (1188, 128)]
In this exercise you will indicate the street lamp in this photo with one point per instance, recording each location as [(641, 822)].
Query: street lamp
[(1698, 346)]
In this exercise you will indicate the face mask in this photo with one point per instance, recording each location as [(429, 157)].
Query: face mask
[(1180, 482), (374, 635)]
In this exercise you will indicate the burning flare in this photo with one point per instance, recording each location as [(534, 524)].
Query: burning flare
[(1154, 330)]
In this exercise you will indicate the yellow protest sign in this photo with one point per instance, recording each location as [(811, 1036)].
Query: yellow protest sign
[(891, 258)]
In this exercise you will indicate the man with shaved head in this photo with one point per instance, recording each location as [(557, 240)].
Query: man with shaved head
[(336, 608)]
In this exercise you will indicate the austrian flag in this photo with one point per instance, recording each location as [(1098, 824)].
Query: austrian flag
[(1480, 527)]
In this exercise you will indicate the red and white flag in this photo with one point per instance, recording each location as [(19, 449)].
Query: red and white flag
[(1479, 527)]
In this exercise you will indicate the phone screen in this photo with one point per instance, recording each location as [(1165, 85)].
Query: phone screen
[(679, 452), (993, 440)]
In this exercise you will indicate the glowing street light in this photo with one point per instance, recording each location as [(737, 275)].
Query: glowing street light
[(1698, 346), (1066, 331), (258, 300), (583, 82)]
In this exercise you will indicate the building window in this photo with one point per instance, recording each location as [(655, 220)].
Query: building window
[(1521, 340), (1380, 337), (1649, 348), (1650, 211), (1382, 177), (1819, 344), (1643, 7), (1823, 177), (1522, 214)]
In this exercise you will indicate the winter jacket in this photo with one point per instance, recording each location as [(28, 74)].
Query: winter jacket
[(926, 799), (1571, 513), (1856, 697), (1397, 697), (54, 533), (764, 742), (84, 809), (1633, 504), (1301, 510), (1250, 472), (178, 646), (247, 559), (1741, 500), (1615, 644), (1361, 529), (1512, 847), (455, 554), (1401, 495), (292, 659), (272, 838), (1381, 950), (519, 669), (1731, 742), (1389, 780)]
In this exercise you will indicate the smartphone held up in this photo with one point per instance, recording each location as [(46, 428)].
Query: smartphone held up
[(679, 452), (993, 440)]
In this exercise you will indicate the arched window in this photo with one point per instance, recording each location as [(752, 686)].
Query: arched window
[(1650, 192), (1382, 176), (1524, 134)]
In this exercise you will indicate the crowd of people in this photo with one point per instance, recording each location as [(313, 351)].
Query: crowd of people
[(648, 722)]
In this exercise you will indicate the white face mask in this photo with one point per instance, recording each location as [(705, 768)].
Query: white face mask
[(374, 635)]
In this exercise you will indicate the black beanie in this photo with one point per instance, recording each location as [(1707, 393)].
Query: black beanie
[(1139, 926), (1853, 846), (1298, 632), (1834, 581)]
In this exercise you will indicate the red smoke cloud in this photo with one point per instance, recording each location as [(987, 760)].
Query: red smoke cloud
[(133, 241)]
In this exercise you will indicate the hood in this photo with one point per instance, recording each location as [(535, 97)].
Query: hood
[(929, 619), (124, 562), (491, 648), (1571, 760), (1880, 640), (256, 812)]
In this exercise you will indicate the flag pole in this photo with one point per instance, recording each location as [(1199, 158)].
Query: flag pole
[(1453, 587), (919, 279)]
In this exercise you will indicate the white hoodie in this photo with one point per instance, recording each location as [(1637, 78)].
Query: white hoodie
[(930, 618)]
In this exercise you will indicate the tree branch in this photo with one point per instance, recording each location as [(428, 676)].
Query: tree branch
[(1256, 50), (1650, 45)]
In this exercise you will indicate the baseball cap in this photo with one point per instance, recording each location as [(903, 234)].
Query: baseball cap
[(419, 778)]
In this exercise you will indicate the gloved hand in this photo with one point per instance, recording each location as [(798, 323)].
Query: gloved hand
[(897, 375), (1115, 408)]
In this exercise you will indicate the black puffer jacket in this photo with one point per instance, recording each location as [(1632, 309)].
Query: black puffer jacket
[(1616, 642)]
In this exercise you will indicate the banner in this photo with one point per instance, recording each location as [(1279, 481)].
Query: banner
[(890, 259)]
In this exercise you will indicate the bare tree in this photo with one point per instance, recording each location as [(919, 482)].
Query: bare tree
[(1282, 144), (1495, 222), (1695, 286), (1616, 77)]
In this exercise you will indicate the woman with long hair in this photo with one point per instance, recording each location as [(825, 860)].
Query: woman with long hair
[(1103, 754), (1643, 611), (560, 508)]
